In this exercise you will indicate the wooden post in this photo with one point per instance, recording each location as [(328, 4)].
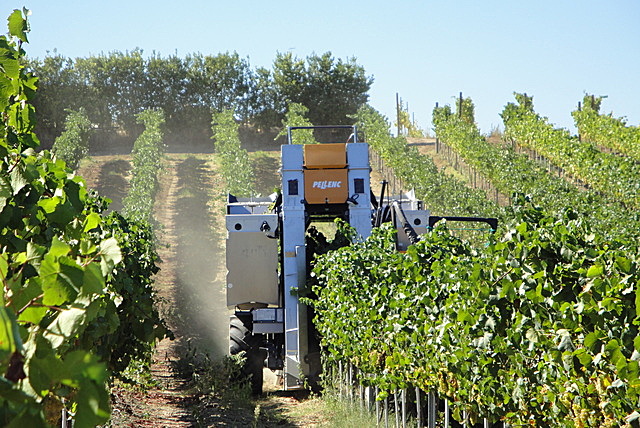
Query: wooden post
[(350, 386), (579, 109), (446, 413), (398, 113), (340, 379), (437, 139), (460, 106), (386, 412)]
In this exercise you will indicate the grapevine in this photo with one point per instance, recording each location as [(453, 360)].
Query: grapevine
[(442, 193), (606, 173), (73, 144), (67, 272), (147, 153), (606, 130), (235, 165), (513, 173), (535, 317)]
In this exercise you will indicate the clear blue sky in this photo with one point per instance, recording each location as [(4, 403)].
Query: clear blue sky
[(428, 51)]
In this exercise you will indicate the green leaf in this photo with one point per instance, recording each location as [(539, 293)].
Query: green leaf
[(4, 267), (34, 254), (45, 370), (624, 264), (58, 248), (49, 205), (92, 221), (65, 326), (6, 90), (591, 339), (5, 192), (595, 270), (93, 281), (61, 280), (84, 364), (26, 295), (58, 210), (111, 255), (28, 419), (93, 404), (583, 356), (18, 26), (9, 336), (565, 340), (18, 180)]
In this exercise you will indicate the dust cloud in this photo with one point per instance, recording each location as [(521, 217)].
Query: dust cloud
[(200, 269)]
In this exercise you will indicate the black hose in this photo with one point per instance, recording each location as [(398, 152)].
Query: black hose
[(406, 226)]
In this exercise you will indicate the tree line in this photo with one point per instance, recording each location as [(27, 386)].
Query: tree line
[(113, 88)]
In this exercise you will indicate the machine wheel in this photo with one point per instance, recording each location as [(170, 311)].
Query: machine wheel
[(241, 339)]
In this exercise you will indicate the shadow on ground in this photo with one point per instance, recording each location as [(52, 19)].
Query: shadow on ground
[(113, 182)]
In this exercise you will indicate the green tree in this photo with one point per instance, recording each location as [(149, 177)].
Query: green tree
[(59, 90), (331, 89), (218, 83), (166, 89), (264, 100)]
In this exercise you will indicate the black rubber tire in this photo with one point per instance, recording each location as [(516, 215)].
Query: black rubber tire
[(237, 334), (241, 339)]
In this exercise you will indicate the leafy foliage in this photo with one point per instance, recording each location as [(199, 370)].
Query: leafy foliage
[(69, 275), (297, 116), (234, 162), (148, 151), (607, 173), (538, 328), (443, 194), (73, 144), (331, 90), (513, 173), (465, 110), (114, 87), (606, 130), (408, 126)]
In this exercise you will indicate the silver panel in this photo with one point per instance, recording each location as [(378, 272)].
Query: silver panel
[(252, 260), (268, 327), (419, 220)]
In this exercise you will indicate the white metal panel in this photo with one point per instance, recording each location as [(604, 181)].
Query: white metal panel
[(360, 213), (252, 260), (294, 261)]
